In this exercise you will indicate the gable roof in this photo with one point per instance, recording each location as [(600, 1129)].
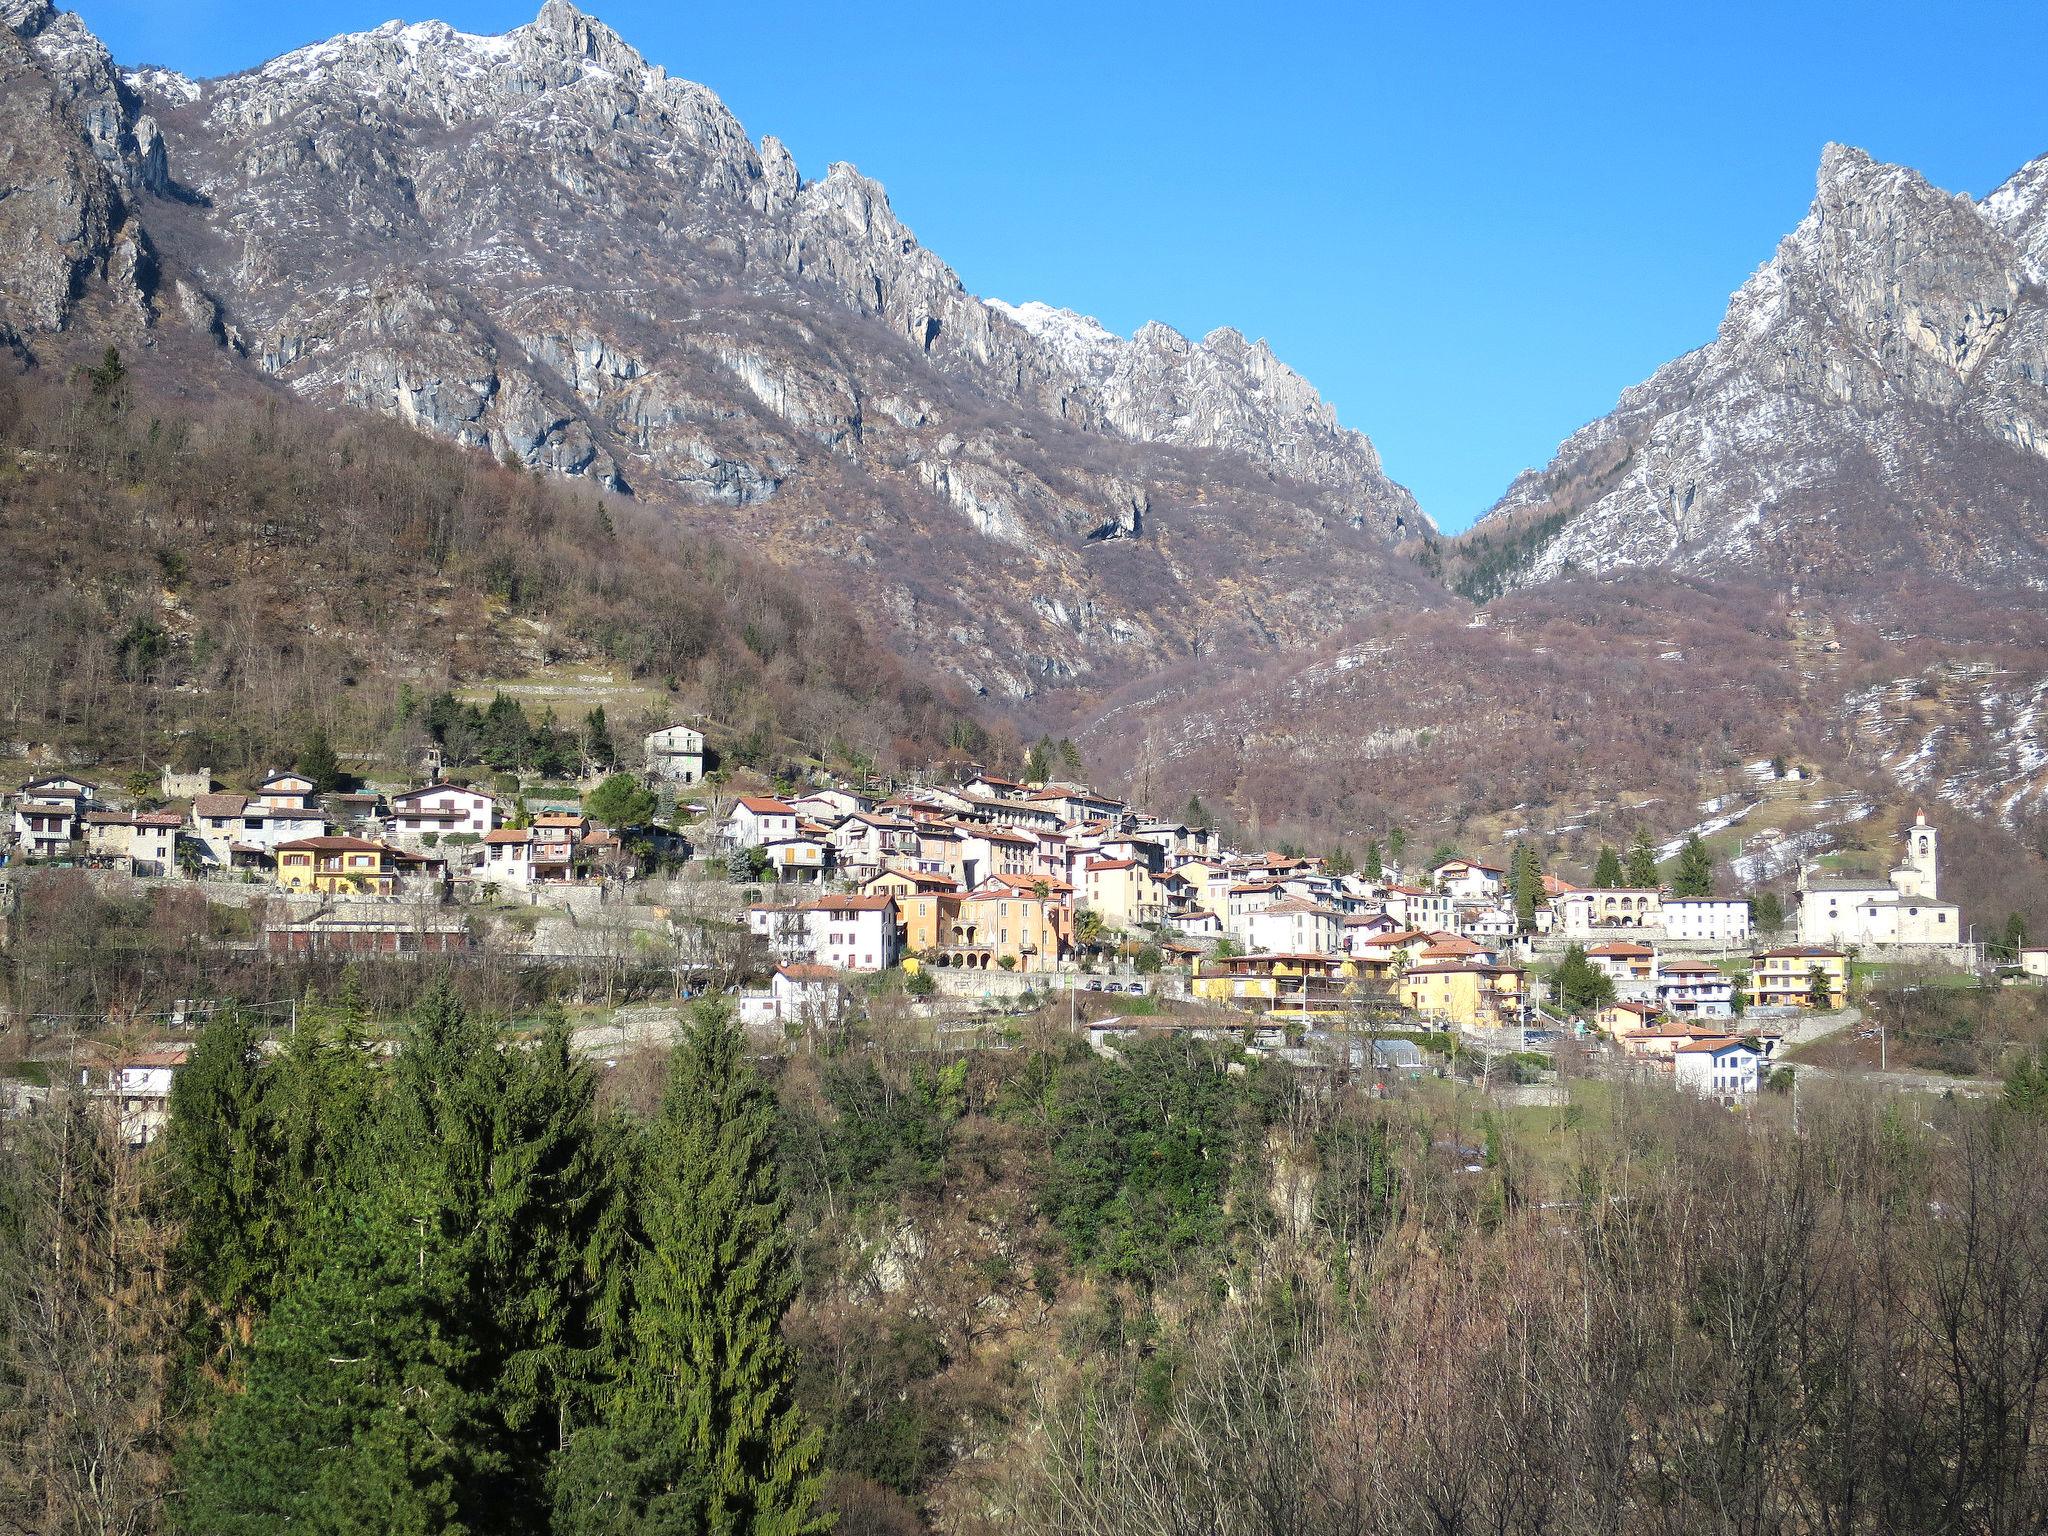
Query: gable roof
[(765, 805)]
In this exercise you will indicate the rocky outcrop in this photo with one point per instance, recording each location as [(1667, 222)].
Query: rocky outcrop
[(1876, 401), (68, 245), (543, 246)]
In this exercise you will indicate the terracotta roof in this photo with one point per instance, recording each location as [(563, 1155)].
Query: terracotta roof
[(847, 903), (168, 1056), (509, 835), (332, 845), (1802, 952), (1112, 864), (1713, 1047), (1621, 949), (807, 972), (766, 805), (159, 819)]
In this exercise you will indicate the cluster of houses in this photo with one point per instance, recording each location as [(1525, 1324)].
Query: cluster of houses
[(1026, 878), (334, 844), (995, 875)]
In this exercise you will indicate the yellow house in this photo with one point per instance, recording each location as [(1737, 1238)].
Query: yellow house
[(1469, 994), (1309, 985), (1123, 892), (1783, 978), (336, 866), (926, 906), (1030, 930)]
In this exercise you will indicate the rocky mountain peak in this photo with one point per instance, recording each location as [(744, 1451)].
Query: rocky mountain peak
[(543, 246), (1876, 398)]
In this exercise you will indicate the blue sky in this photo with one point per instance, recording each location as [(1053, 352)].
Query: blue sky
[(1470, 225)]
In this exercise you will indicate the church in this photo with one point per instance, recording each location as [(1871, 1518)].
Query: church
[(1904, 909)]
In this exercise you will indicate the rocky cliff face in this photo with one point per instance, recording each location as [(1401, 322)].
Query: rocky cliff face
[(542, 245), (1876, 402), (70, 160)]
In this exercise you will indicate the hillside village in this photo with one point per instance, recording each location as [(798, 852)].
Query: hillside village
[(989, 889)]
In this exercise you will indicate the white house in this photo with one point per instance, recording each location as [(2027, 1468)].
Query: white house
[(1413, 907), (675, 753), (1292, 926), (1693, 989), (507, 857), (443, 809), (224, 822), (849, 933), (758, 819), (1702, 920), (1716, 1069), (46, 829), (1468, 880), (140, 1088), (2034, 961), (807, 996), (1621, 961)]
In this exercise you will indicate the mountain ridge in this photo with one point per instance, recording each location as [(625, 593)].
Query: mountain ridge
[(541, 245), (1872, 397)]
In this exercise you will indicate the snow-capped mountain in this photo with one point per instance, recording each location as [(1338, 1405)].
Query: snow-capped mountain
[(1874, 405), (544, 245)]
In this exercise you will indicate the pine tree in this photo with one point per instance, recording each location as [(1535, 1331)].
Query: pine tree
[(108, 376), (1819, 992), (1607, 870), (1397, 844), (699, 1431), (317, 761), (2015, 935), (1768, 911), (1370, 865), (553, 1240), (1642, 861), (1580, 985), (1694, 876), (1070, 755), (319, 1096), (1197, 814), (219, 1170), (597, 739), (1038, 762), (355, 1418), (1526, 877)]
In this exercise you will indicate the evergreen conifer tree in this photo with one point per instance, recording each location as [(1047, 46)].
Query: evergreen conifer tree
[(219, 1172), (1694, 876), (1526, 882), (698, 1431), (1607, 870), (355, 1418), (317, 761), (1642, 861)]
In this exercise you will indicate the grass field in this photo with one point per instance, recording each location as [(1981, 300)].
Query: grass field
[(570, 691)]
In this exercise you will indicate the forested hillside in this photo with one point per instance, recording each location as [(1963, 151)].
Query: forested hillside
[(210, 582), (460, 1288)]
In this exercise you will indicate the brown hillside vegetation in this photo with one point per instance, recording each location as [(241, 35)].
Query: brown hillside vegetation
[(209, 580), (1576, 711)]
